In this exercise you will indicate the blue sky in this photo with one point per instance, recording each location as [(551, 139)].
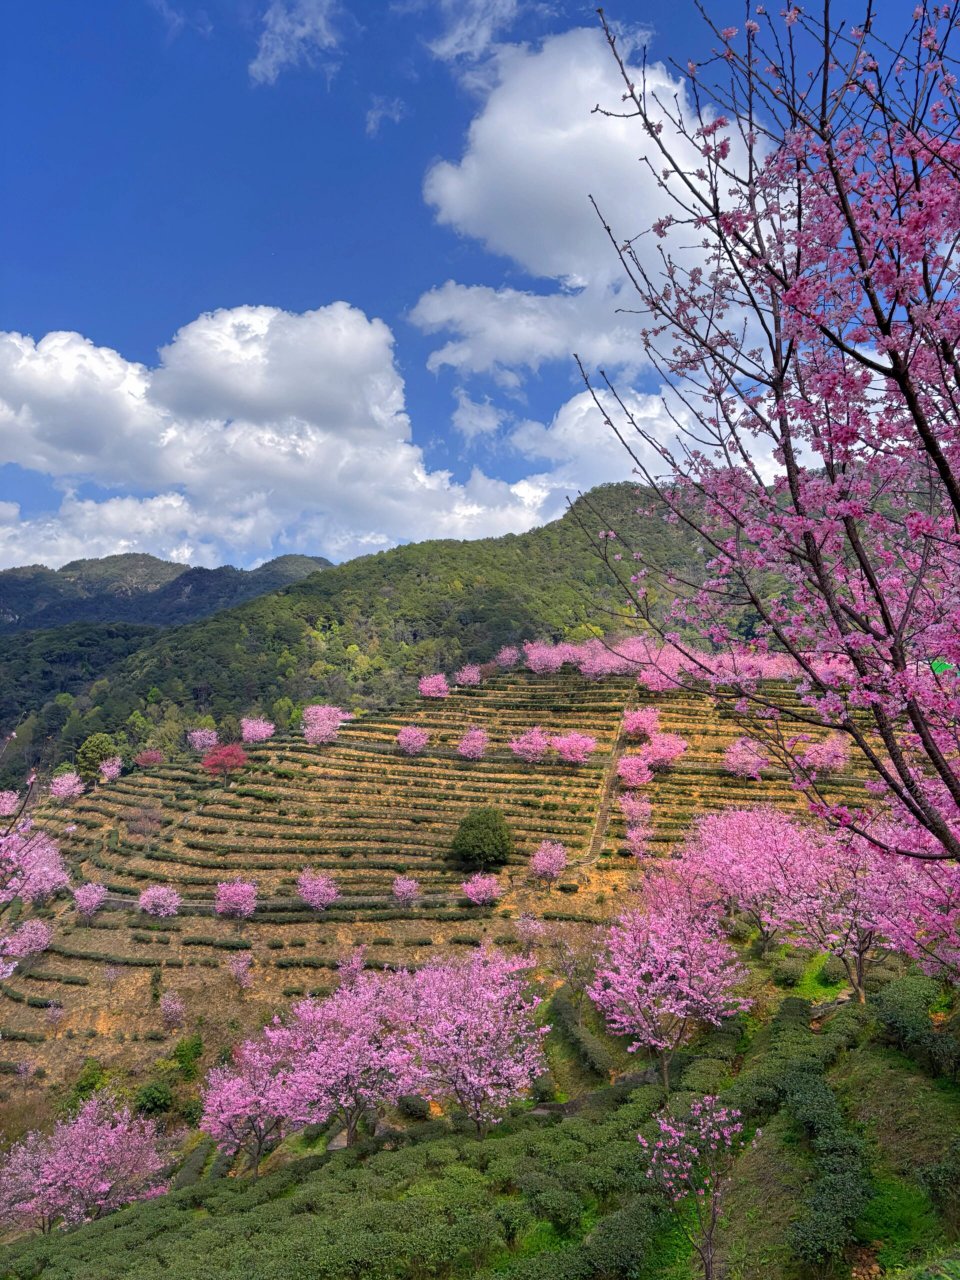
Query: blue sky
[(293, 275)]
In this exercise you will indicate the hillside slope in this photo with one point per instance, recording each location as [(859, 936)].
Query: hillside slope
[(358, 633), (136, 588)]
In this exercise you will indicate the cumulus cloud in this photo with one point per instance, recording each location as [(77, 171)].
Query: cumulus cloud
[(294, 32), (533, 155), (258, 431)]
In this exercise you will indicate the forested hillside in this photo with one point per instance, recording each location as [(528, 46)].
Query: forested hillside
[(136, 588), (357, 633)]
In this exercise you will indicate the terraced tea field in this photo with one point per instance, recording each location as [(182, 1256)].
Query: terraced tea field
[(363, 813)]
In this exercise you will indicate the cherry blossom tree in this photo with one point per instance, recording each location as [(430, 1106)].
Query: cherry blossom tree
[(350, 1053), (111, 768), (638, 814), (434, 686), (246, 1103), (89, 1165), (172, 1010), (745, 758), (661, 750), (507, 657), (88, 899), (412, 740), (202, 740), (33, 867), (634, 771), (160, 900), (548, 861), (66, 786), (9, 803), (643, 722), (481, 890), (150, 757), (321, 724), (806, 342), (473, 744), (475, 1038), (469, 676), (32, 938), (542, 658), (256, 729), (666, 970), (317, 891), (239, 966), (235, 899), (831, 755), (224, 761), (531, 746), (574, 748), (406, 890), (692, 1161)]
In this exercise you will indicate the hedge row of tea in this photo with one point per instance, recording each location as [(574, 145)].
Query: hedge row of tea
[(558, 1193)]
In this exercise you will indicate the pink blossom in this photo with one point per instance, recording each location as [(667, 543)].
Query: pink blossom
[(88, 899), (9, 803), (434, 686), (256, 729), (148, 758), (507, 657), (481, 890), (239, 966), (642, 723), (66, 786), (406, 890), (412, 740), (662, 750), (203, 740), (634, 771), (829, 756), (29, 939), (531, 746), (322, 723), (89, 1165), (468, 676), (317, 891), (473, 744), (548, 861), (172, 1010), (111, 769), (574, 748), (744, 758), (236, 899), (160, 900)]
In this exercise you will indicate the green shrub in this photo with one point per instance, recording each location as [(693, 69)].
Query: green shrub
[(483, 841), (788, 971), (153, 1099)]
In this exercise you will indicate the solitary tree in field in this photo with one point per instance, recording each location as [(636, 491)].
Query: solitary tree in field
[(223, 762), (483, 840), (799, 301)]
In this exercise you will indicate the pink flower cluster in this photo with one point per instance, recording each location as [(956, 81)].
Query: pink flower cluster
[(88, 899), (531, 746), (548, 861), (744, 758), (203, 740), (256, 729), (321, 724), (412, 740), (473, 744), (28, 940), (160, 900), (507, 657), (481, 890), (235, 899), (644, 722), (406, 890), (110, 769), (317, 891), (574, 748), (434, 686), (9, 803), (239, 966), (468, 676), (151, 757), (66, 786), (172, 1010)]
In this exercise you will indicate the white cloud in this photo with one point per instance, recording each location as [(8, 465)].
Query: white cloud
[(294, 31), (259, 431), (471, 26), (501, 330), (392, 109), (474, 418)]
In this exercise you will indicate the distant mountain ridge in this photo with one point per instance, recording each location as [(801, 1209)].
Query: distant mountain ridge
[(137, 588)]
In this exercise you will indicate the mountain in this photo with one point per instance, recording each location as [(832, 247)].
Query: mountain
[(357, 634), (136, 588)]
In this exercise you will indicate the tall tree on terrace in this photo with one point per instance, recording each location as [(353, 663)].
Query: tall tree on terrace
[(808, 347)]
